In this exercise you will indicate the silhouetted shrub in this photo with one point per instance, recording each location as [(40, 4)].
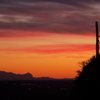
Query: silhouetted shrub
[(88, 79)]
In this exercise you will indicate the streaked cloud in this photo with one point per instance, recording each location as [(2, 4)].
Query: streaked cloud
[(53, 16), (51, 49)]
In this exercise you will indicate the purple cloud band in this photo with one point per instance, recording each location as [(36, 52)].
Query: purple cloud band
[(60, 16)]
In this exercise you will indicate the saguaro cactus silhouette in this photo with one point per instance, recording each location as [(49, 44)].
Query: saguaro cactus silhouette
[(97, 39)]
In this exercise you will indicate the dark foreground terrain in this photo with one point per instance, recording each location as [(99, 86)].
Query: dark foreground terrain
[(86, 85), (35, 89)]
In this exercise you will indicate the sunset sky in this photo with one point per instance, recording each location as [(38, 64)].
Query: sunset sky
[(48, 38)]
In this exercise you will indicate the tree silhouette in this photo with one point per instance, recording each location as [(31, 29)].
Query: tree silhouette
[(88, 79)]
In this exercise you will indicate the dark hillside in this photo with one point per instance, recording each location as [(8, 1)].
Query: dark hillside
[(88, 80)]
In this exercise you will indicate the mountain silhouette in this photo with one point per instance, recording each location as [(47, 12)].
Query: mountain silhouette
[(12, 76), (27, 76)]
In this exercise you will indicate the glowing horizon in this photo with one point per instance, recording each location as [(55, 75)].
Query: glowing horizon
[(54, 56)]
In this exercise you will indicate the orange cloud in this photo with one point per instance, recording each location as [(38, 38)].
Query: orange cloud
[(52, 49)]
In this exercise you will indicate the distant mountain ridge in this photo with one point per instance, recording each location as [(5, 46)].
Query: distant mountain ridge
[(13, 76), (27, 76)]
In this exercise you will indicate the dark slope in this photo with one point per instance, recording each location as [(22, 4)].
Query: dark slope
[(87, 84)]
